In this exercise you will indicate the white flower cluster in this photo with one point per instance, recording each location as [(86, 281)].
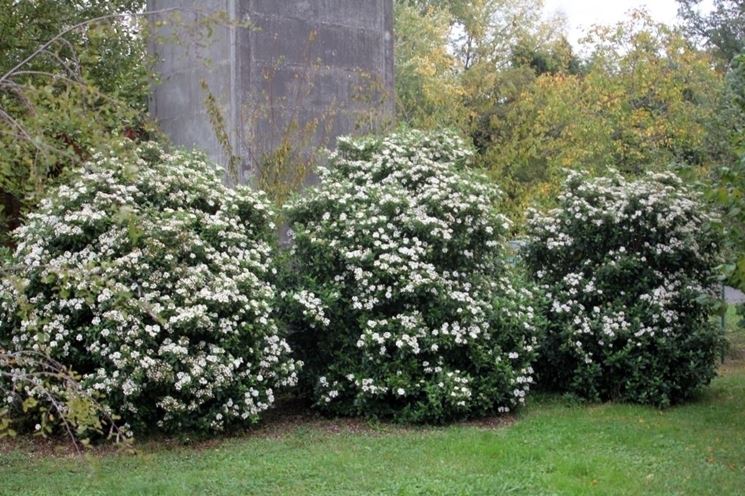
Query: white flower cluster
[(312, 308), (629, 270), (150, 279), (404, 300)]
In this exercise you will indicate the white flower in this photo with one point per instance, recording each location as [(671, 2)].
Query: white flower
[(615, 256), (202, 262), (401, 281)]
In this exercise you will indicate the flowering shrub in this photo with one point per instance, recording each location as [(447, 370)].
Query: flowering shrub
[(400, 298), (629, 269), (148, 277)]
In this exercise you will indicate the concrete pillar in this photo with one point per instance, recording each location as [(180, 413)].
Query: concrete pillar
[(310, 70)]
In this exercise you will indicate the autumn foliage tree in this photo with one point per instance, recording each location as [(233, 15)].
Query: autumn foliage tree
[(645, 99), (429, 92), (452, 56), (721, 28)]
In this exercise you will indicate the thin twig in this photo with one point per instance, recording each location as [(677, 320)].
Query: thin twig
[(44, 366), (77, 26), (90, 88)]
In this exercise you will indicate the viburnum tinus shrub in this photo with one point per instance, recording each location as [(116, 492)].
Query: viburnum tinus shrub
[(149, 278), (400, 299), (629, 269)]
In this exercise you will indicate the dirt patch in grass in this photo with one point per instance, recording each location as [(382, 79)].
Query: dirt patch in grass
[(491, 423), (736, 350), (732, 365)]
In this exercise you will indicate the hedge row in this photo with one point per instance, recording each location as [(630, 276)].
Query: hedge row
[(163, 290)]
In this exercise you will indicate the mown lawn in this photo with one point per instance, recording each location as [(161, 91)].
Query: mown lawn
[(553, 447)]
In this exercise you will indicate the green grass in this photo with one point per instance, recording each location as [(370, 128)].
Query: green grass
[(553, 447)]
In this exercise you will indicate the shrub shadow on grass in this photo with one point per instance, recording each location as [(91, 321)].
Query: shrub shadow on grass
[(291, 418)]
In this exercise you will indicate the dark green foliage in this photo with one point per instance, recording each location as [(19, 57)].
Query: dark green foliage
[(722, 29), (629, 268), (399, 296)]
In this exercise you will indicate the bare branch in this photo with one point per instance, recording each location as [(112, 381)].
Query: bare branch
[(29, 369), (77, 26)]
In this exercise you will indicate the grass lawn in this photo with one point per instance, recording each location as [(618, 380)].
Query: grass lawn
[(552, 447)]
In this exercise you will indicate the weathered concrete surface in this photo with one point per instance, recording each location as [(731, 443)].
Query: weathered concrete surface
[(184, 60), (309, 69), (733, 296)]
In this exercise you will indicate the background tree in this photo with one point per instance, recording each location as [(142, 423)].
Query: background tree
[(450, 56), (429, 92), (72, 75), (725, 187), (556, 56), (722, 29), (644, 98)]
